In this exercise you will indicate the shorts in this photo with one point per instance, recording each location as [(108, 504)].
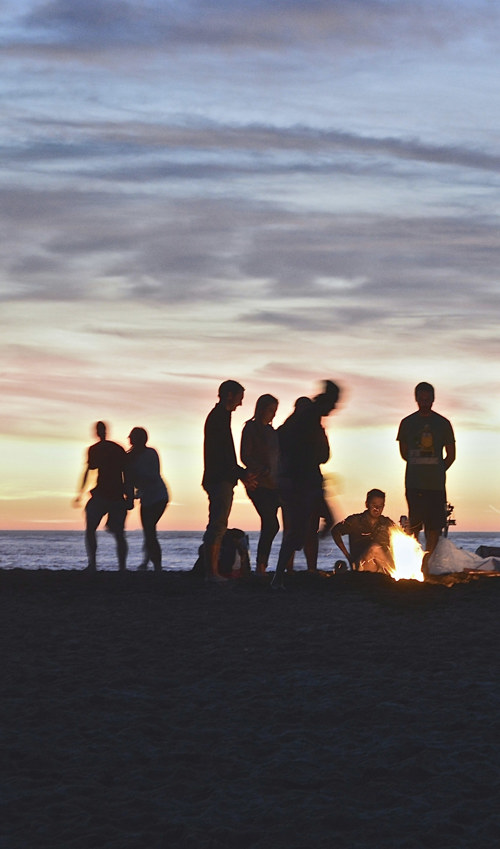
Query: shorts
[(97, 507), (427, 509)]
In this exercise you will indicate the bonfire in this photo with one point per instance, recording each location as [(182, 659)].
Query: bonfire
[(407, 555)]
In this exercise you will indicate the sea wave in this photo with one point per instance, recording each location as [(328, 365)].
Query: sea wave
[(66, 549)]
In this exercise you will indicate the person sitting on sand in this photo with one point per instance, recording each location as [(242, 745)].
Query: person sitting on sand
[(145, 477), (369, 538), (112, 496)]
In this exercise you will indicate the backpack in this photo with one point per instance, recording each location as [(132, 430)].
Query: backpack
[(234, 557)]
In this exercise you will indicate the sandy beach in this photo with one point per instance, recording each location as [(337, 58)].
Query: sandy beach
[(348, 711)]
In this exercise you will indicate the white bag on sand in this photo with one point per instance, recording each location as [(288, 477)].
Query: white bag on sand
[(447, 558)]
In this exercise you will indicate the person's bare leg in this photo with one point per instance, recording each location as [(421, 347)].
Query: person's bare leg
[(431, 541), (311, 547), (91, 547), (211, 554), (92, 518), (121, 550)]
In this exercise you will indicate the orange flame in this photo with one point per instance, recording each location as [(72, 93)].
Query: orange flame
[(407, 554)]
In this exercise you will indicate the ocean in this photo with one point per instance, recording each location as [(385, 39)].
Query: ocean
[(66, 549)]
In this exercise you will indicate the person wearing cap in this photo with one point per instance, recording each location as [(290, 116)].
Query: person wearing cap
[(427, 444), (143, 470), (304, 447)]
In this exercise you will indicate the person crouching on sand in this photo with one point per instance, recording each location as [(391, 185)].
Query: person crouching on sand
[(143, 472), (369, 538)]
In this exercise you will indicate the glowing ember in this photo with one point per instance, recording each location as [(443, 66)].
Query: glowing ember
[(407, 554)]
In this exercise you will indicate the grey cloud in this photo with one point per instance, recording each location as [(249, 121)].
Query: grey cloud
[(200, 150), (380, 259), (94, 23), (312, 140), (289, 320), (327, 317), (243, 24), (128, 333), (172, 250)]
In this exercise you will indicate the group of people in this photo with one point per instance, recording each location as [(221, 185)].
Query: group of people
[(121, 478), (280, 469)]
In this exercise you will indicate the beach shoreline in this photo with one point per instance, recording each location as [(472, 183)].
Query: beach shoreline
[(348, 711)]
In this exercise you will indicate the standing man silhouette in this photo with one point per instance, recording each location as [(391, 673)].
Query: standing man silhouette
[(423, 438), (221, 473), (111, 496)]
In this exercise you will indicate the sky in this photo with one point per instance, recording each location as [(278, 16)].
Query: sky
[(273, 191)]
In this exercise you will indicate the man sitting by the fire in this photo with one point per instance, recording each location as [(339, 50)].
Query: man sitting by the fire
[(368, 532)]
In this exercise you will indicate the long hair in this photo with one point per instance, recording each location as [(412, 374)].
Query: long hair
[(262, 403)]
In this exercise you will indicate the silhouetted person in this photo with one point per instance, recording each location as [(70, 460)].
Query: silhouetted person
[(110, 497), (321, 512), (303, 448), (321, 509), (144, 475), (369, 536), (221, 472), (423, 438), (259, 453)]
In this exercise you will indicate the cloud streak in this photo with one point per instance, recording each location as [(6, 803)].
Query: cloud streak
[(108, 247), (98, 143), (255, 25)]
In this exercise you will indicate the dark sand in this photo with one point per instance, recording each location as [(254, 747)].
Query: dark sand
[(348, 711)]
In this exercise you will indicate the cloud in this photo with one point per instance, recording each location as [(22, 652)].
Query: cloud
[(379, 259), (259, 25), (107, 246), (138, 151)]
